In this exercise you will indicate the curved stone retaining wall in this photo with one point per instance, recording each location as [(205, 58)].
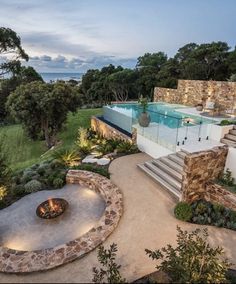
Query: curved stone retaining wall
[(15, 261)]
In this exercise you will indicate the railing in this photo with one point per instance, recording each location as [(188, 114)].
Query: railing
[(170, 131), (164, 129)]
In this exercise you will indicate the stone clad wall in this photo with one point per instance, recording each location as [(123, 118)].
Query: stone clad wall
[(200, 168), (110, 132), (217, 194), (192, 92), (166, 95)]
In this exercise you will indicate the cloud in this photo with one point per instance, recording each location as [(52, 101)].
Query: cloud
[(60, 63)]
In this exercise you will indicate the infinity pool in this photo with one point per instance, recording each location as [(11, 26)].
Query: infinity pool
[(126, 115)]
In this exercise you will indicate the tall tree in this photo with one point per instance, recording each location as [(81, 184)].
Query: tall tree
[(152, 60), (121, 83), (42, 108), (10, 50)]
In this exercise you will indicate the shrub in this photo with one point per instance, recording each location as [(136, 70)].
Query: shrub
[(226, 178), (110, 273), (58, 183), (227, 122), (65, 157), (18, 190), (5, 172), (3, 192), (27, 176), (183, 211), (33, 186), (193, 260), (83, 142), (127, 148)]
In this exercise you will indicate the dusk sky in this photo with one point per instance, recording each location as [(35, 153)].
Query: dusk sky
[(74, 35)]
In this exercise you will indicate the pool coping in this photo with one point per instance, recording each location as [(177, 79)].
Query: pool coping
[(16, 261)]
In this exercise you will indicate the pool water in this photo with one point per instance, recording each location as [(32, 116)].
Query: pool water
[(161, 113)]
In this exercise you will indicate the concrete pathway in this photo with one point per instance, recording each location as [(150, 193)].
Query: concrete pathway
[(147, 222)]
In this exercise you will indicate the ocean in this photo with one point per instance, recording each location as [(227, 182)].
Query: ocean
[(47, 77)]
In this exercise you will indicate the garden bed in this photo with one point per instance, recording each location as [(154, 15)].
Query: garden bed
[(206, 213)]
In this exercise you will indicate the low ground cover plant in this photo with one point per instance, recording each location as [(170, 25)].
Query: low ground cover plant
[(44, 176), (206, 213)]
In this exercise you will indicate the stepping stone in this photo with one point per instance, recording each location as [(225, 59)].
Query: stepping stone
[(90, 159), (103, 161)]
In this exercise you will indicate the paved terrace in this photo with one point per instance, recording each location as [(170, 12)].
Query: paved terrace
[(148, 222)]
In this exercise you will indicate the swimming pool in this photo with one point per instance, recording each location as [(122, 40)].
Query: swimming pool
[(126, 115)]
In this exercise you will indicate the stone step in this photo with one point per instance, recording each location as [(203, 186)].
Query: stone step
[(172, 190), (176, 159), (172, 164), (228, 142), (181, 154), (175, 174), (165, 176), (232, 131), (230, 137), (234, 127)]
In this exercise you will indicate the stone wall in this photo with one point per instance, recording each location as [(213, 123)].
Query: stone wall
[(167, 95), (109, 132), (200, 168), (192, 92), (217, 194)]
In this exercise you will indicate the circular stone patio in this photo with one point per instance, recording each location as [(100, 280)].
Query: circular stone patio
[(22, 229), (147, 222), (30, 244)]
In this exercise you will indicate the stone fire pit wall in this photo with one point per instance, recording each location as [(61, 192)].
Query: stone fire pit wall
[(15, 261), (199, 169)]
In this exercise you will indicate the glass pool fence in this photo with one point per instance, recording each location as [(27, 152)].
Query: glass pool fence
[(167, 130)]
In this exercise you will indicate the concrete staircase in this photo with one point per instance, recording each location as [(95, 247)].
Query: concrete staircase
[(230, 138), (167, 171)]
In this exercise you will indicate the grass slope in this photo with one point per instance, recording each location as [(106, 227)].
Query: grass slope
[(22, 152)]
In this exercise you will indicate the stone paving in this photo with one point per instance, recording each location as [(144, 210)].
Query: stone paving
[(147, 222)]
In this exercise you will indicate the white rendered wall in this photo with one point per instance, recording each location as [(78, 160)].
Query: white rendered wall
[(217, 132), (151, 148), (231, 161)]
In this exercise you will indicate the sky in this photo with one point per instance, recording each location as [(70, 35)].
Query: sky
[(77, 35)]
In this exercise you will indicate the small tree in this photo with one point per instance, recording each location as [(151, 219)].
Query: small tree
[(42, 108), (193, 260), (110, 273)]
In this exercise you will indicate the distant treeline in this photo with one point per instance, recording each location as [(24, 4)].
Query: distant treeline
[(209, 61)]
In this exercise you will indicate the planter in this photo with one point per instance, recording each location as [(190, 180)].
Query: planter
[(144, 119)]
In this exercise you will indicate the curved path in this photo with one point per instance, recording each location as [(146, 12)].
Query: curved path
[(147, 222)]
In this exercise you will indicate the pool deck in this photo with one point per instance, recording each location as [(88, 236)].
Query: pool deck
[(148, 222)]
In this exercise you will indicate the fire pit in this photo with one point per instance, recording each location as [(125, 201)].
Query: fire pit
[(52, 208)]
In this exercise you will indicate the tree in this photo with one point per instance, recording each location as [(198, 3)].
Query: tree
[(152, 60), (10, 47), (121, 83), (204, 61), (42, 108), (111, 270), (193, 260), (169, 74), (24, 75)]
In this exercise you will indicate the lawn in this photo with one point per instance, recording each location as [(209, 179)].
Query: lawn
[(22, 152)]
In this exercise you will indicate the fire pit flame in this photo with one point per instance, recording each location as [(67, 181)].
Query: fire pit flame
[(51, 208)]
